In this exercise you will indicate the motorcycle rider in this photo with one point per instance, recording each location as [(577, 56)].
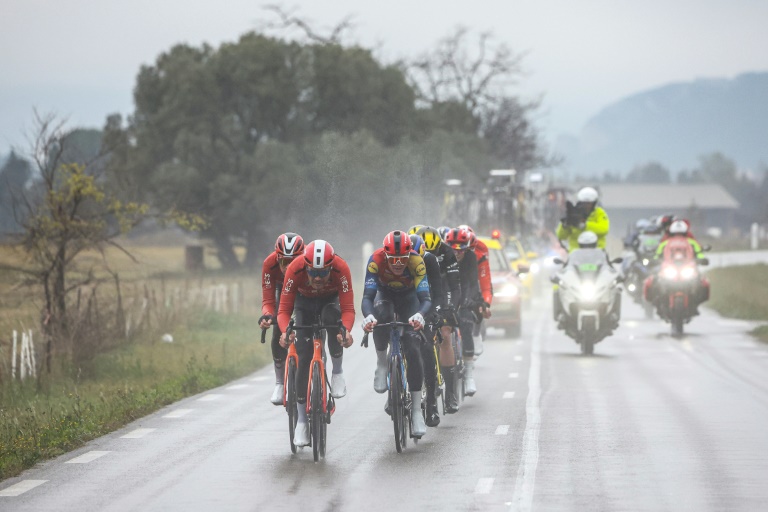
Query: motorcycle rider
[(585, 215), (288, 246)]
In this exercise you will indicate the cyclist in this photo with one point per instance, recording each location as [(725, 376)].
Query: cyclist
[(451, 286), (413, 230), (396, 282), (319, 285), (459, 240), (427, 350), (287, 247), (585, 216)]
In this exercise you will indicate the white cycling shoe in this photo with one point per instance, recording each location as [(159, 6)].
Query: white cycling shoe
[(338, 385), (278, 394), (418, 427), (380, 380), (469, 378), (301, 434)]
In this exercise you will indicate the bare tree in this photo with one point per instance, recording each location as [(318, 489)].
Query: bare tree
[(288, 20)]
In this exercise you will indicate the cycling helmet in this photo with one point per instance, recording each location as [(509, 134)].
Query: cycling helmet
[(587, 195), (289, 245), (664, 221), (458, 238), (678, 227), (417, 243), (464, 226), (443, 231), (642, 224), (587, 240), (397, 243), (432, 238), (472, 240), (319, 254), (413, 230)]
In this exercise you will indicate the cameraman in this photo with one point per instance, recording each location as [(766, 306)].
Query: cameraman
[(585, 215)]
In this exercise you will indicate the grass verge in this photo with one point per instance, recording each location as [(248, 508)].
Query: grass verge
[(741, 292), (45, 419)]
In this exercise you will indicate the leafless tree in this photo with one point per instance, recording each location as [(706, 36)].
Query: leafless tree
[(287, 20)]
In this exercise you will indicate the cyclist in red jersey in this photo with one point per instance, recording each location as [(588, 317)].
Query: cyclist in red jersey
[(319, 285), (483, 269), (287, 247)]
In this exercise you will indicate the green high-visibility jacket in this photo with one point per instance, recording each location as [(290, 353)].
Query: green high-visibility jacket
[(696, 247), (597, 222)]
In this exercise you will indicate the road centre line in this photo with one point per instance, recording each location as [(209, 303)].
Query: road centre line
[(514, 375), (178, 413), (209, 398), (525, 482), (21, 487), (138, 433), (259, 379), (507, 394), (502, 430), (484, 486), (87, 457)]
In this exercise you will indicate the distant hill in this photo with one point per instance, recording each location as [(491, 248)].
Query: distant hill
[(675, 124)]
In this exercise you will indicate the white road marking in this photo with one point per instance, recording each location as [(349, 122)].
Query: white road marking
[(259, 379), (733, 323), (138, 433), (526, 472), (209, 398), (21, 487), (507, 394), (502, 430), (484, 486), (518, 358), (87, 457), (514, 375), (178, 413), (239, 386)]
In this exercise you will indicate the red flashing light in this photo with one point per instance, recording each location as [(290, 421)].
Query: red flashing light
[(495, 234)]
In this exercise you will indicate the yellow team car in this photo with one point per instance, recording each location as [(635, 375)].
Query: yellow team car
[(505, 310), (520, 260)]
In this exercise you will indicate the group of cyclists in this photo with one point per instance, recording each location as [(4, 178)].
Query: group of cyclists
[(436, 279)]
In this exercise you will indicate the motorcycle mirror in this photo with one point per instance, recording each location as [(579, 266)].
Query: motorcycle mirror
[(703, 261), (558, 261), (617, 260)]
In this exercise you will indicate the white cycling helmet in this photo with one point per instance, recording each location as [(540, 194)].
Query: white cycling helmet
[(678, 227), (587, 240), (587, 195)]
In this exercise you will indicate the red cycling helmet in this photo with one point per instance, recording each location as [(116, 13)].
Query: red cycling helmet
[(458, 238), (397, 243), (289, 245), (319, 254), (472, 240)]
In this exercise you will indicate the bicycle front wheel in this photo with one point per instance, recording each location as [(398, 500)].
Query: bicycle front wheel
[(290, 404), (397, 404), (317, 420)]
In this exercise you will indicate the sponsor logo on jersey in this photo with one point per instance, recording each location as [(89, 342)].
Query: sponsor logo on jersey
[(373, 268)]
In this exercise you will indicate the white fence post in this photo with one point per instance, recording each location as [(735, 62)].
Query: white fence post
[(13, 356)]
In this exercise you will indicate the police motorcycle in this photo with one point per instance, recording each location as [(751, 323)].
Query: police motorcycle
[(588, 299), (638, 263)]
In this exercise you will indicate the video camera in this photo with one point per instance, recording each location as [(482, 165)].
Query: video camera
[(574, 216)]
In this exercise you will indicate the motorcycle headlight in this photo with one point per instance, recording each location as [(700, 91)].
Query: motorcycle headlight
[(687, 272), (508, 290), (632, 287), (646, 261), (670, 273), (535, 268), (588, 291)]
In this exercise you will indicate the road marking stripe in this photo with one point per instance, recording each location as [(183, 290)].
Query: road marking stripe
[(239, 386), (259, 379), (484, 486), (209, 398), (526, 472), (502, 430), (178, 413), (518, 358), (507, 394), (87, 457), (21, 487), (514, 375), (138, 433)]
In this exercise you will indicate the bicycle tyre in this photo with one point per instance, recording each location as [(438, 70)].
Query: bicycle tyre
[(293, 415), (395, 400), (316, 411)]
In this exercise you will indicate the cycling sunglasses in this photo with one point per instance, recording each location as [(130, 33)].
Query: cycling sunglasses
[(318, 272), (397, 260), (285, 261)]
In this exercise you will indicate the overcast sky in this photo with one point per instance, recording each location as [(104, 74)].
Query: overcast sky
[(80, 58)]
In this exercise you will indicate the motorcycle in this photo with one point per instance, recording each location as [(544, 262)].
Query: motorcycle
[(679, 287), (588, 296), (639, 267)]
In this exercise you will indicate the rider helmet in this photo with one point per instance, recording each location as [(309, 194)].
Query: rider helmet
[(458, 238), (289, 245), (319, 254), (642, 224), (678, 227), (664, 221), (465, 226), (397, 243), (472, 240), (587, 240), (413, 230), (587, 195), (417, 243), (431, 237), (443, 230)]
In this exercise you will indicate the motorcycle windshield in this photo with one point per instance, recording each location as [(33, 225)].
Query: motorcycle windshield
[(649, 243), (587, 261)]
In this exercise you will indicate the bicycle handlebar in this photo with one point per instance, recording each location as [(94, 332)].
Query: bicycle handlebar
[(364, 343), (263, 330), (292, 327)]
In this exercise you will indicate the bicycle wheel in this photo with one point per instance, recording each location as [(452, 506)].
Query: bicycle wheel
[(293, 415), (396, 402), (316, 419)]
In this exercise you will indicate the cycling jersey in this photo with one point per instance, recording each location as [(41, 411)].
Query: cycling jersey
[(483, 271), (379, 276), (271, 283), (449, 271), (297, 281)]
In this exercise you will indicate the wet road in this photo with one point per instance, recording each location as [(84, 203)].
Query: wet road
[(647, 423)]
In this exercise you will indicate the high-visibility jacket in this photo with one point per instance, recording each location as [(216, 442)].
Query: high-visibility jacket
[(597, 222)]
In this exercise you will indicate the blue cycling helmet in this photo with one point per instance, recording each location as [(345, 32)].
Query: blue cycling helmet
[(418, 244)]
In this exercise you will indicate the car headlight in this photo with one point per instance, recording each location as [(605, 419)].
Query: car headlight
[(508, 290), (535, 268), (588, 291)]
